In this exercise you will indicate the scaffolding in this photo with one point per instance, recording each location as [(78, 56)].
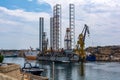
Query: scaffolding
[(55, 26), (72, 24)]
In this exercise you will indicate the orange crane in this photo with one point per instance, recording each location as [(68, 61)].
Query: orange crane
[(81, 43)]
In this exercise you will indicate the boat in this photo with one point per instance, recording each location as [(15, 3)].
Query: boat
[(35, 70), (10, 55), (65, 61), (31, 55), (91, 58)]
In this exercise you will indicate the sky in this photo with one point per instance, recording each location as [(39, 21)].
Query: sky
[(19, 27)]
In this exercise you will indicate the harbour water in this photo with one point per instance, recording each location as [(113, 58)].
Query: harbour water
[(71, 71)]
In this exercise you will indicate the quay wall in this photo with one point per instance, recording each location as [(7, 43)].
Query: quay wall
[(12, 70), (5, 77)]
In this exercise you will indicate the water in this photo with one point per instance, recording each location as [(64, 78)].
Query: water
[(71, 71)]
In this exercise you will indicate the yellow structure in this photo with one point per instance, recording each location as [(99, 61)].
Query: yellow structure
[(81, 43)]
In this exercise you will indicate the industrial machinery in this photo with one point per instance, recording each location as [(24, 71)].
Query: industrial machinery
[(81, 43)]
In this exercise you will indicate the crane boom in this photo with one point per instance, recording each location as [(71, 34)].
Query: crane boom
[(84, 31)]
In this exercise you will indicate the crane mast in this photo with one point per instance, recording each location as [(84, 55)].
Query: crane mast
[(81, 43)]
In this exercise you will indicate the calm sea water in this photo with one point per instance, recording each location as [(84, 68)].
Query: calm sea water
[(72, 71)]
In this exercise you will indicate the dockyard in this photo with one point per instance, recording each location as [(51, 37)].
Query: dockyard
[(50, 56)]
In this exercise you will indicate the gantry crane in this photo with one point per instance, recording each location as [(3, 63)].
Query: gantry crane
[(81, 43)]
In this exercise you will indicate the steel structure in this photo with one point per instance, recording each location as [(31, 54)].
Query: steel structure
[(43, 41), (80, 47), (72, 24), (55, 26), (67, 40), (41, 30), (51, 32)]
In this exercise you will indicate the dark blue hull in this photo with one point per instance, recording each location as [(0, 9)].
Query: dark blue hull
[(91, 58)]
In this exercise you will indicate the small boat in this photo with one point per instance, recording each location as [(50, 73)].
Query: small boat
[(65, 61), (32, 69)]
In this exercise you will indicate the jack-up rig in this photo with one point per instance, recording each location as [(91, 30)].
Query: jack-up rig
[(55, 51)]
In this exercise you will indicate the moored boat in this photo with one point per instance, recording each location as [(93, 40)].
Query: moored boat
[(31, 55)]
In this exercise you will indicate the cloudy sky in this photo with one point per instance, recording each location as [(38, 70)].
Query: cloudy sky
[(19, 21)]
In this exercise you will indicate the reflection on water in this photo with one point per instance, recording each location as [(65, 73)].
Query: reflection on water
[(72, 71), (64, 71), (53, 71), (82, 70)]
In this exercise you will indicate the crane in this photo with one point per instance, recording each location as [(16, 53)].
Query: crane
[(81, 43)]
